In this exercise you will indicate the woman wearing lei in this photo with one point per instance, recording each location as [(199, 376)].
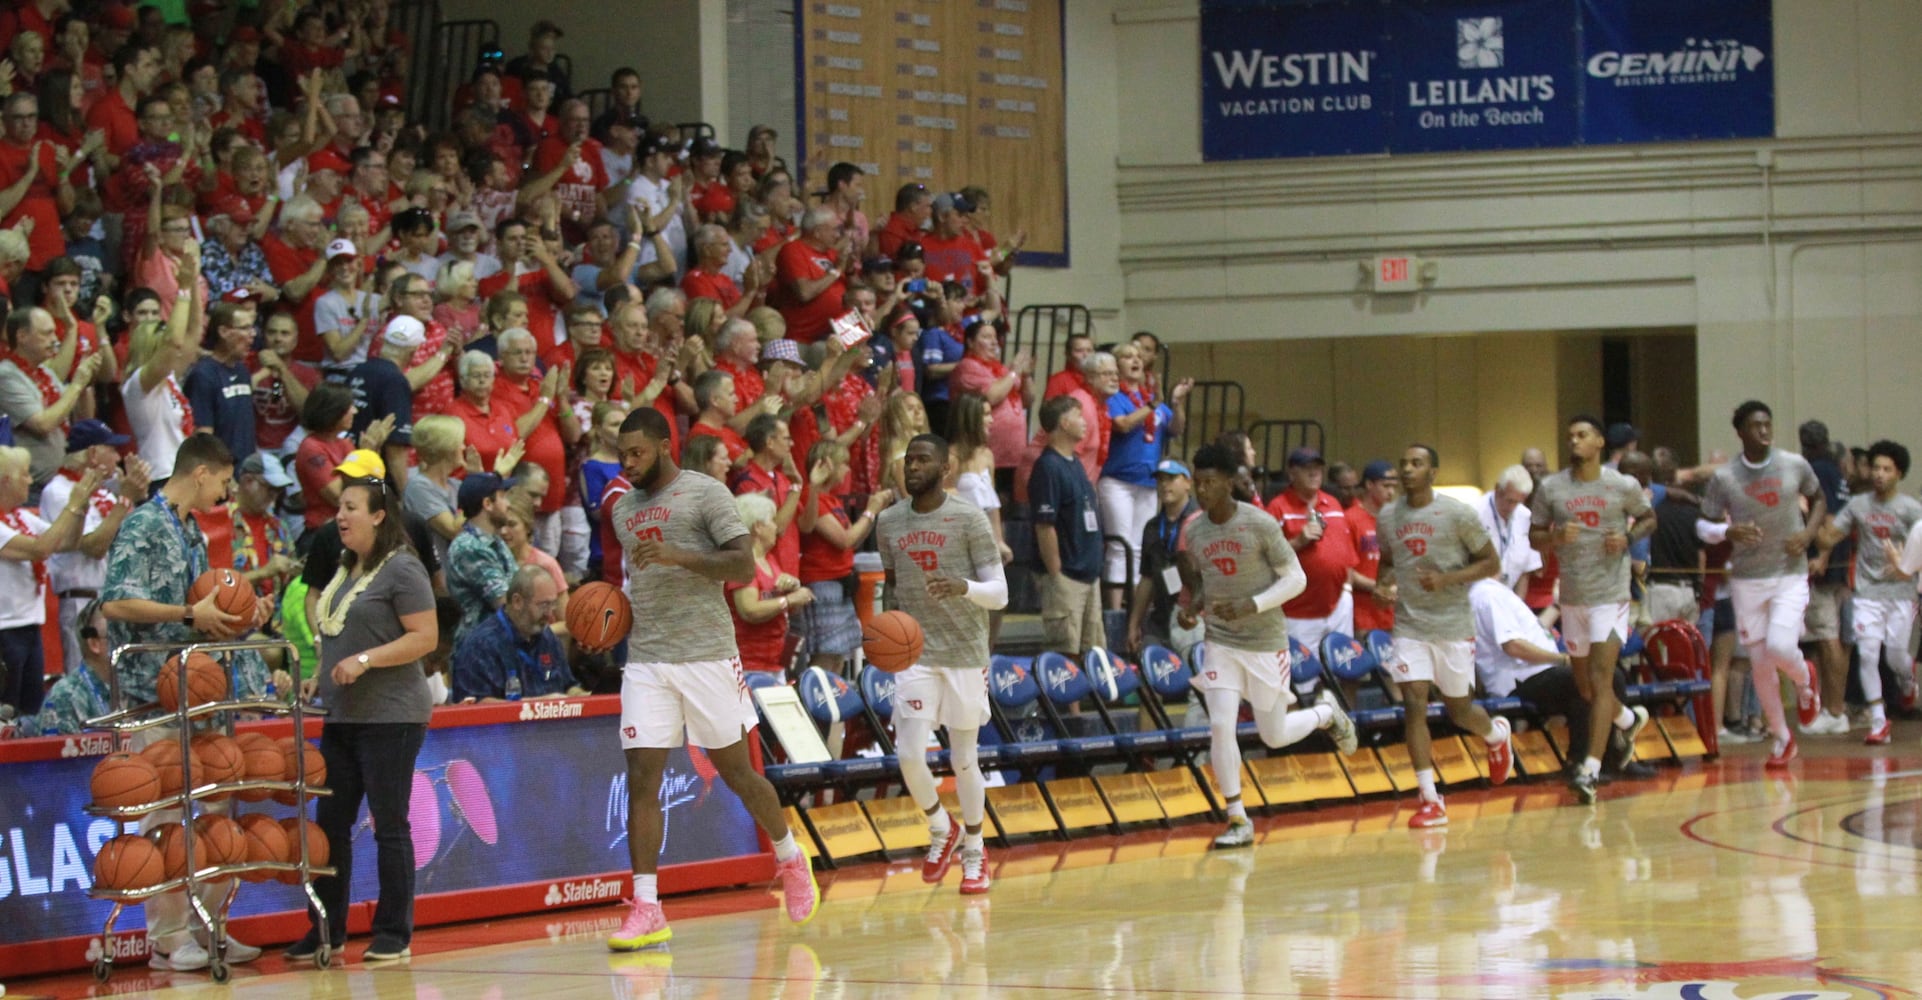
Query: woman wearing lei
[(375, 621)]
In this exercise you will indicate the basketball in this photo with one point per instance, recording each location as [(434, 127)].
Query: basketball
[(226, 842), (127, 862), (598, 616), (217, 761), (316, 765), (233, 594), (165, 758), (206, 681), (316, 846), (265, 841), (172, 841), (892, 641), (263, 762), (124, 779)]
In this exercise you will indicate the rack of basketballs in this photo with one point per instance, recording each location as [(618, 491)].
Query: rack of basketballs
[(189, 772)]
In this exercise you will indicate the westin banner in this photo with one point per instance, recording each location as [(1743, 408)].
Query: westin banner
[(1341, 77)]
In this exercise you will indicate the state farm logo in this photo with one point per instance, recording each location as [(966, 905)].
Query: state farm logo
[(1478, 43), (590, 891), (129, 946), (1697, 60), (532, 710), (87, 746)]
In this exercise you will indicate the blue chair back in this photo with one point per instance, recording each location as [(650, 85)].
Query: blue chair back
[(1127, 678), (1303, 668), (829, 697), (1010, 682), (1346, 658), (1061, 680), (1104, 673), (877, 686), (1381, 646), (1164, 672)]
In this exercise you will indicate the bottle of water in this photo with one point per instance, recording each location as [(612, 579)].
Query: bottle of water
[(514, 686)]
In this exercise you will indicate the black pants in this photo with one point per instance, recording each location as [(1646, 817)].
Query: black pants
[(374, 761), (1553, 692), (23, 669)]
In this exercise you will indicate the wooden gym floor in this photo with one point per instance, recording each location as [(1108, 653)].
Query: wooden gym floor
[(1712, 881)]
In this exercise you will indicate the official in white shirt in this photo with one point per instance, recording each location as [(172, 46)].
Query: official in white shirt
[(1504, 514)]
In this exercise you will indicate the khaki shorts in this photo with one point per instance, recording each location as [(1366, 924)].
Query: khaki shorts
[(1823, 619), (1070, 616)]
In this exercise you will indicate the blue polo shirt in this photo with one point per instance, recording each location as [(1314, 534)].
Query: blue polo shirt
[(493, 648)]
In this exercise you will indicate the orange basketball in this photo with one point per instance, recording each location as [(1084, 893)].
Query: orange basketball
[(265, 841), (234, 594), (263, 763), (127, 862), (892, 641), (217, 760), (316, 765), (598, 616), (172, 841), (226, 842), (165, 758), (206, 681), (124, 779), (316, 845)]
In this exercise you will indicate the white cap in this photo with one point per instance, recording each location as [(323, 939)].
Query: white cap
[(342, 248), (405, 331)]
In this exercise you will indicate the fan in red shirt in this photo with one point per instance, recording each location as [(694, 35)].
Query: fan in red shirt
[(711, 246), (296, 257), (737, 351), (21, 156), (912, 208), (137, 68), (527, 268), (640, 374), (1069, 378), (1316, 525), (534, 401), (770, 470), (761, 607), (281, 384), (570, 165), (708, 189), (240, 109), (808, 277), (490, 424), (368, 185), (312, 47), (1377, 490), (714, 395), (951, 251)]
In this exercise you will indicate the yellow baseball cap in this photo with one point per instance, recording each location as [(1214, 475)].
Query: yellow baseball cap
[(362, 464)]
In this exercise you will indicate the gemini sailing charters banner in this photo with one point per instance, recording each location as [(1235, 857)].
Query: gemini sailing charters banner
[(1347, 77)]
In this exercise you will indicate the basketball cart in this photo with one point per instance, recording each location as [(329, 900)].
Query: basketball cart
[(126, 722)]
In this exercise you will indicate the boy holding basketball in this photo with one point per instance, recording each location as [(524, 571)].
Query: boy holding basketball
[(151, 565), (944, 569), (684, 540)]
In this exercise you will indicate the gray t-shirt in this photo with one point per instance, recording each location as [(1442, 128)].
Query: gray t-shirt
[(426, 500), (952, 540), (382, 694), (21, 400), (1764, 497), (1443, 536), (1875, 522), (680, 616), (1602, 507), (1237, 560)]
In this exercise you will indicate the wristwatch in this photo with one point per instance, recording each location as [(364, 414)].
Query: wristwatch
[(187, 616), (363, 661)]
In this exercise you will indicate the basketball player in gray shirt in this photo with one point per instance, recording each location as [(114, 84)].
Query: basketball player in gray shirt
[(1769, 567), (1439, 542), (1236, 565), (1588, 514), (1884, 604), (944, 569), (683, 540)]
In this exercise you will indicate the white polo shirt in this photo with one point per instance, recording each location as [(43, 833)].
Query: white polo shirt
[(1501, 617)]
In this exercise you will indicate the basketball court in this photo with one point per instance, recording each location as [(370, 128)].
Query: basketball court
[(1710, 881)]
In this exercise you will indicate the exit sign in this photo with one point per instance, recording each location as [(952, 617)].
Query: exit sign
[(1397, 274)]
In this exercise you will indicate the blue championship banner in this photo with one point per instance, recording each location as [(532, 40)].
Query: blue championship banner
[(1288, 78), (1659, 70)]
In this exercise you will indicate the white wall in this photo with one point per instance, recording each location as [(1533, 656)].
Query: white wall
[(1798, 259)]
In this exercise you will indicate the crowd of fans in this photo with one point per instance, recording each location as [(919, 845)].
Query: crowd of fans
[(228, 225)]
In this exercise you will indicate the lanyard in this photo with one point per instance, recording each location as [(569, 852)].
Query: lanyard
[(196, 558), (1503, 529)]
